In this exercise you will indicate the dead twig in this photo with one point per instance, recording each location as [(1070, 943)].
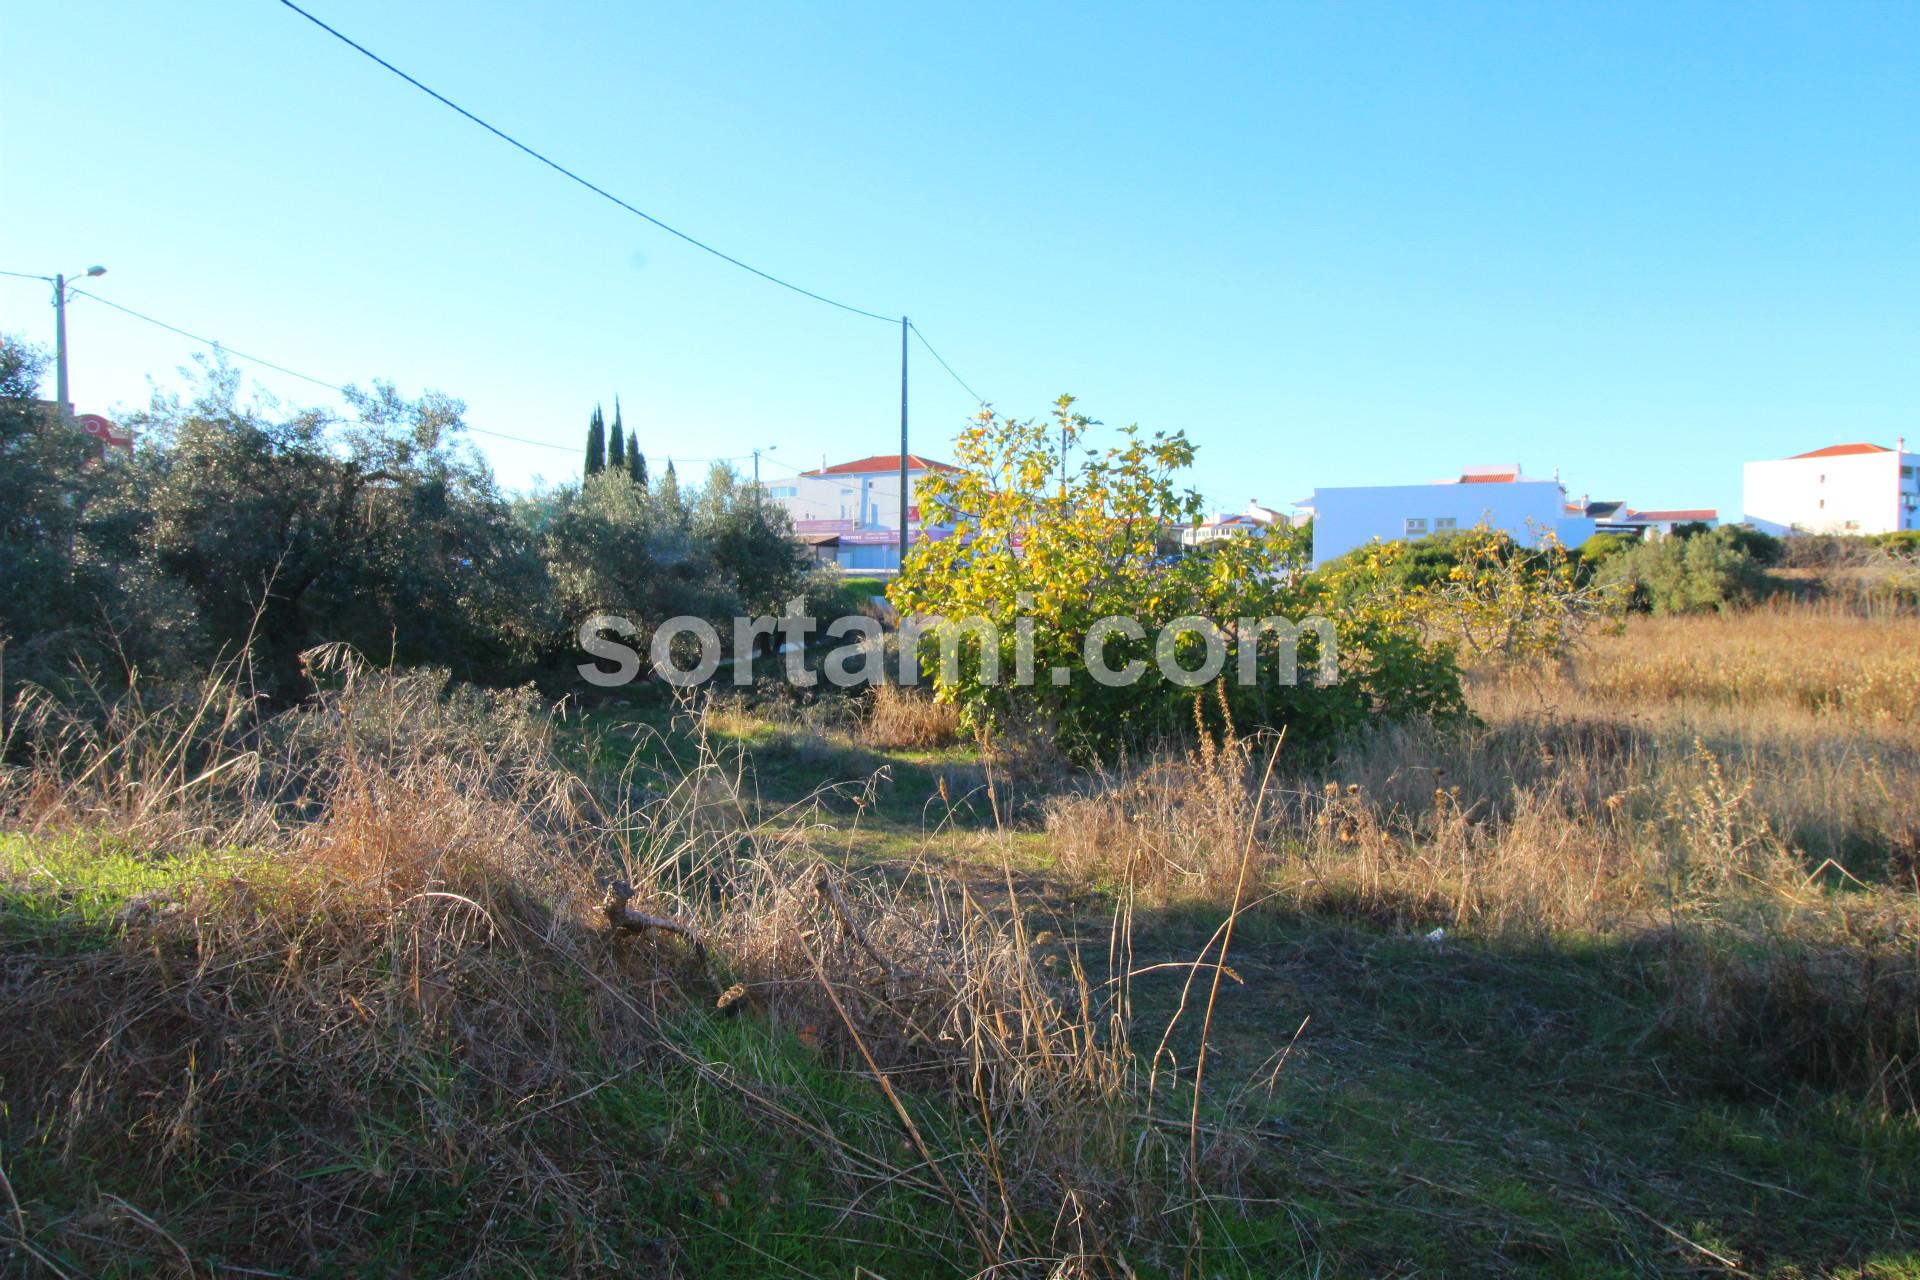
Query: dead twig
[(824, 885), (624, 917)]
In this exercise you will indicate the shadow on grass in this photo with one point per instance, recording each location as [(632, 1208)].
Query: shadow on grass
[(1447, 1108)]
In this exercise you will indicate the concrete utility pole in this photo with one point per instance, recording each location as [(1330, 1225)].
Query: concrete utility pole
[(60, 339), (60, 346), (903, 442)]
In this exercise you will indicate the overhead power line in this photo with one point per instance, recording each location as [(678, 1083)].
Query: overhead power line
[(336, 387), (978, 398), (218, 346), (561, 169), (607, 195), (292, 373)]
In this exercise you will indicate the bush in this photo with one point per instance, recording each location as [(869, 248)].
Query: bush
[(1765, 549), (1686, 575), (1905, 542), (1062, 556), (1602, 547)]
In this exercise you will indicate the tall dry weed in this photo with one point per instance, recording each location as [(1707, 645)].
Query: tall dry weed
[(410, 917)]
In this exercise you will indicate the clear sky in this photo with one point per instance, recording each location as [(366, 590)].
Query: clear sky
[(1336, 243)]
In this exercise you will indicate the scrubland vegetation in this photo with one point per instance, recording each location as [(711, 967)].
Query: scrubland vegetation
[(344, 988), (1572, 931)]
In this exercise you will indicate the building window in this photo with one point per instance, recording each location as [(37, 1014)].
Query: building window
[(1442, 524), (1416, 526), (1906, 473), (784, 491), (1823, 504)]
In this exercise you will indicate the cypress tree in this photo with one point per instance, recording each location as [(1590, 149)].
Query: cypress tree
[(614, 458), (596, 443), (637, 464)]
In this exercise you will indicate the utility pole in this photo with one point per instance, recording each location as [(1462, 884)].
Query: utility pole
[(60, 388), (903, 443), (60, 345)]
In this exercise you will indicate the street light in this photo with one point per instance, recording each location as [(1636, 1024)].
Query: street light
[(60, 335), (756, 462)]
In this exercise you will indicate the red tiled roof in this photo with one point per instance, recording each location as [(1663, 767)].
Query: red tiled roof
[(1504, 478), (880, 463), (1680, 515), (1843, 451)]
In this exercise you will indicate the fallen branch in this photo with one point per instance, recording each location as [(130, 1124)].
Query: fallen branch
[(824, 885), (622, 916)]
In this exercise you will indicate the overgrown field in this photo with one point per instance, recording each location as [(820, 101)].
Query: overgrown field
[(1621, 979)]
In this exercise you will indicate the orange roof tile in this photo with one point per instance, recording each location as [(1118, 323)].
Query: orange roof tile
[(879, 463), (1842, 451)]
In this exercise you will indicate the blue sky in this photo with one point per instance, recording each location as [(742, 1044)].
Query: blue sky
[(1335, 243)]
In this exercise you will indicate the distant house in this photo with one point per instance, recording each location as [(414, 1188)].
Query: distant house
[(864, 492), (1843, 488), (849, 513), (1658, 524), (1499, 497), (1253, 519)]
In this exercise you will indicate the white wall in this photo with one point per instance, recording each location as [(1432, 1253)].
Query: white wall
[(870, 501), (1851, 493), (1351, 517)]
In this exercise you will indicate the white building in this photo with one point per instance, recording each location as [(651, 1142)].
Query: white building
[(849, 513), (1253, 519), (1659, 524), (1843, 488), (1498, 497), (864, 494)]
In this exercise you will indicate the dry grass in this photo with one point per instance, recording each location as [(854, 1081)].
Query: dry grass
[(901, 719), (1740, 792), (386, 980)]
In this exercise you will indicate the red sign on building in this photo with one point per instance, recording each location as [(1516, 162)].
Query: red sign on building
[(107, 433)]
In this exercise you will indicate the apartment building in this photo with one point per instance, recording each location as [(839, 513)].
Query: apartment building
[(1843, 488)]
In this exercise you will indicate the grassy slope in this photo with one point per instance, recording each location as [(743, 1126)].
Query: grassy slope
[(1451, 1108), (711, 1188), (1447, 1109)]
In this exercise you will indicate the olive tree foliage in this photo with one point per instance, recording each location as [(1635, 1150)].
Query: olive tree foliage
[(1054, 536), (286, 527), (243, 525), (614, 545), (49, 586)]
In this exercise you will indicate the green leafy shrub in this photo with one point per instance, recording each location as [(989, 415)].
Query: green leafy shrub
[(1602, 547), (1061, 555), (1904, 542), (1482, 591), (1764, 549), (1701, 574)]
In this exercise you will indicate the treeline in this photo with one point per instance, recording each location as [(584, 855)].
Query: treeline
[(1696, 568), (240, 524)]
